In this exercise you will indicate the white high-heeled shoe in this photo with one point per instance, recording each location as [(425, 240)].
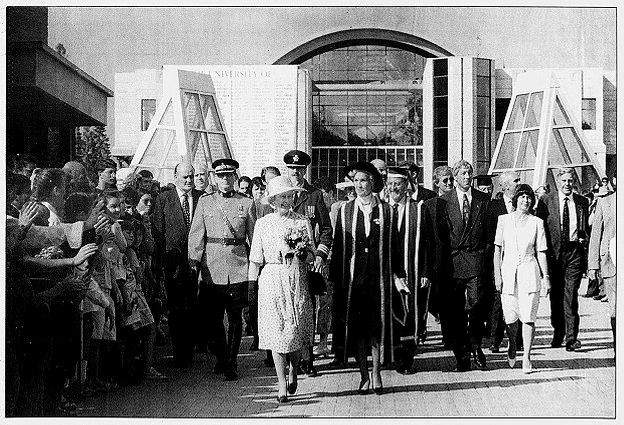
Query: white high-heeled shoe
[(527, 366)]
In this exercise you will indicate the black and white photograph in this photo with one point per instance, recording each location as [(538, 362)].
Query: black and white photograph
[(338, 211)]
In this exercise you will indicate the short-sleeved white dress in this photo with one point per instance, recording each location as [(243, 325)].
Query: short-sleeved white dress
[(285, 314), (521, 238)]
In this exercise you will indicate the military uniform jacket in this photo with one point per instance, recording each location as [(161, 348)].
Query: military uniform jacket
[(311, 204), (223, 253)]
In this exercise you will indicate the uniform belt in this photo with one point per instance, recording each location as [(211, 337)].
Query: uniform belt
[(227, 241)]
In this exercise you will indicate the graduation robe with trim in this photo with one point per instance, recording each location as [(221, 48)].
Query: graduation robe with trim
[(407, 309), (362, 268)]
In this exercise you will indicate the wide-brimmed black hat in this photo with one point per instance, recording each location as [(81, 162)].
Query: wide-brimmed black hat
[(483, 180), (225, 166), (367, 167), (297, 158)]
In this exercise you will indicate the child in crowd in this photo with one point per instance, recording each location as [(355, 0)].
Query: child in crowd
[(107, 268), (138, 321), (153, 289), (77, 208)]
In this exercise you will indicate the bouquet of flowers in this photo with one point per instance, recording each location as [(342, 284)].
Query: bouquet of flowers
[(297, 240)]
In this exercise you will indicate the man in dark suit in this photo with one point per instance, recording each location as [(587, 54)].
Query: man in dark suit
[(565, 215), (458, 222), (172, 220), (311, 204)]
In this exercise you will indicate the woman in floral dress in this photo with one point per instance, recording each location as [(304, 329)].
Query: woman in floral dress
[(283, 243)]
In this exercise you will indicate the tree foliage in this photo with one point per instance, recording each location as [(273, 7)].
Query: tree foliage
[(92, 148)]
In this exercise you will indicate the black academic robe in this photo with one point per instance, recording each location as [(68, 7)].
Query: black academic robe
[(362, 268)]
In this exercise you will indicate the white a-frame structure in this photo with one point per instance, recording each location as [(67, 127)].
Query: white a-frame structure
[(541, 133), (186, 127)]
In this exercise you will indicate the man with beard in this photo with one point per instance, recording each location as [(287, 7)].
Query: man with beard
[(406, 306)]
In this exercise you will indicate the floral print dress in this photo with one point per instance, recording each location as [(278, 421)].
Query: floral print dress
[(285, 313)]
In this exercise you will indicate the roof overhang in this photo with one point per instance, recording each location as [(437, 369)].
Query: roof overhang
[(44, 81)]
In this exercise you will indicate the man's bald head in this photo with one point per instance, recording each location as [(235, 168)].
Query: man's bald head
[(381, 166), (183, 174), (508, 182)]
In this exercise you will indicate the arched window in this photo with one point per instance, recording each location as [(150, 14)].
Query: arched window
[(366, 97)]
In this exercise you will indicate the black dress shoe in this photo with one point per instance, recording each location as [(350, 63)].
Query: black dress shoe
[(599, 297), (573, 346), (556, 342), (462, 366), (479, 358), (231, 375), (220, 368), (592, 295), (292, 388), (378, 386), (336, 364), (282, 399), (311, 371)]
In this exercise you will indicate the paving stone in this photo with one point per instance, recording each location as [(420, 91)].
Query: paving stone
[(579, 384)]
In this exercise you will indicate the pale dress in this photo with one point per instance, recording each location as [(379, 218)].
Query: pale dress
[(521, 240), (285, 313)]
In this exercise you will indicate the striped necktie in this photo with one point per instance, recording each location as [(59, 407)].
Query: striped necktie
[(466, 209), (187, 210)]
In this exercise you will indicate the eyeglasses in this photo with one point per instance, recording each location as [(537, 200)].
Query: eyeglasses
[(448, 180)]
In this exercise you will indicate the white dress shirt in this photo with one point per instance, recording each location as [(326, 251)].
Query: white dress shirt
[(367, 210), (190, 201), (508, 204), (573, 218), (401, 209)]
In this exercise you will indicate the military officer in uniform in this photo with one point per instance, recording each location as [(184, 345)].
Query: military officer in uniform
[(311, 204), (219, 242)]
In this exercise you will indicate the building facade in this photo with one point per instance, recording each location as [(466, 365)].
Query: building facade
[(394, 96)]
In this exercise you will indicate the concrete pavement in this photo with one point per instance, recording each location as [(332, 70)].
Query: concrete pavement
[(565, 384)]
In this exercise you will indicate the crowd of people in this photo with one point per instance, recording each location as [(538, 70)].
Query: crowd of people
[(101, 269)]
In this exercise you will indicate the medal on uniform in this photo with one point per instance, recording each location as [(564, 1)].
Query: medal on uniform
[(310, 211), (241, 210)]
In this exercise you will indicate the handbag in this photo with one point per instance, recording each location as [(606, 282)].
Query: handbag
[(316, 283)]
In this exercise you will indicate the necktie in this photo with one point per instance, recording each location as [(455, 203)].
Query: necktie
[(565, 222), (395, 207), (187, 210), (466, 209)]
